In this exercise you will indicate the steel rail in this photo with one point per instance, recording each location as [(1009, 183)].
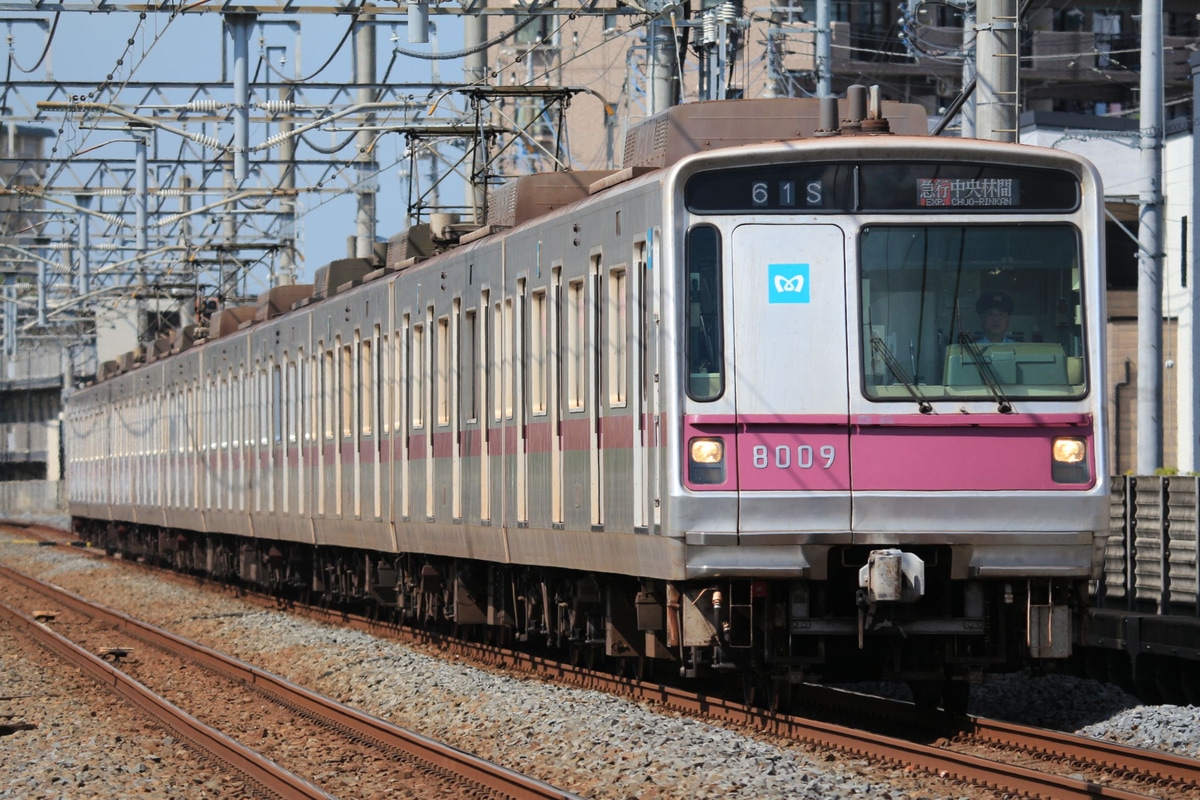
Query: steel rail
[(1152, 764)]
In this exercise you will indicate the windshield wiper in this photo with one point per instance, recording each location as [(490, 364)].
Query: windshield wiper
[(897, 369), (985, 372)]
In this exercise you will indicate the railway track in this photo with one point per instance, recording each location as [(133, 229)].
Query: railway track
[(1010, 759), (339, 751)]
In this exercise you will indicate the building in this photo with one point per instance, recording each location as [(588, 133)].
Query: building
[(1074, 58)]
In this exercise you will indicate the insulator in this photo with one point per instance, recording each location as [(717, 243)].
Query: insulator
[(111, 191), (277, 106), (204, 105), (709, 29), (728, 12), (208, 141)]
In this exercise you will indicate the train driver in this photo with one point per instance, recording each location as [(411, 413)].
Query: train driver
[(994, 310)]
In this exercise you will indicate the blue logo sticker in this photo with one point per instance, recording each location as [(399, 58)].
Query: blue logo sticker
[(788, 283)]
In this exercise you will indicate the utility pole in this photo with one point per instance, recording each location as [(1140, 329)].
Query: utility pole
[(287, 186), (663, 80), (998, 61), (141, 185), (824, 50), (475, 73), (1149, 364), (968, 72), (1194, 228), (366, 166)]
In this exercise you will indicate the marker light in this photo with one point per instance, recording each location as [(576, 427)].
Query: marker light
[(706, 461)]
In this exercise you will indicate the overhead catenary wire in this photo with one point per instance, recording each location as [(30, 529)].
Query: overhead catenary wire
[(45, 51)]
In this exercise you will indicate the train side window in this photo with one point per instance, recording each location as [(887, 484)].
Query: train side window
[(276, 404), (224, 398), (442, 370), (704, 343), (264, 405), (486, 379), (367, 395), (385, 379), (497, 358), (293, 397), (466, 379), (418, 376), (303, 398), (510, 334), (224, 414), (314, 396), (198, 415), (327, 393), (401, 338), (235, 412), (345, 387), (189, 406), (618, 338), (537, 352), (576, 346)]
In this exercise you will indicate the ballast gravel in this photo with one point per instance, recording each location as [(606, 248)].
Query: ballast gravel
[(587, 742)]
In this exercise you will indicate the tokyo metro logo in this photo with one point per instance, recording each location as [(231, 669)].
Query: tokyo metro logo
[(787, 283)]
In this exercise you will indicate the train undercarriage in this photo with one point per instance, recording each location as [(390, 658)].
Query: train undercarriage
[(765, 637)]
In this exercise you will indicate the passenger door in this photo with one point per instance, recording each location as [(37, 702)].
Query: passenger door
[(790, 379)]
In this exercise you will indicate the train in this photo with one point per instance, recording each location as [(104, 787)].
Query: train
[(739, 409)]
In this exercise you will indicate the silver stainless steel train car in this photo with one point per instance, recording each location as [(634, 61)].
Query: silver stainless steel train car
[(779, 397)]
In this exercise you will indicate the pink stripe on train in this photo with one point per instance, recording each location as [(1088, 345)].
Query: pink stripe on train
[(878, 453)]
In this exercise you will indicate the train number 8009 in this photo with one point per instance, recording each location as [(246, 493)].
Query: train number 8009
[(803, 456)]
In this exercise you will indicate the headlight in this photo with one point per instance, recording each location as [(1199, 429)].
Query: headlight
[(1068, 460), (706, 461), (707, 451), (1069, 450)]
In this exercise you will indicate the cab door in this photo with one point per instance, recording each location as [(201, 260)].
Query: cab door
[(790, 380)]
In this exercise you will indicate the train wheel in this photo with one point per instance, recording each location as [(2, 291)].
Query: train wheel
[(779, 698), (583, 655), (955, 696), (1169, 678), (1095, 668), (751, 690), (1120, 669), (1145, 687), (926, 694), (1190, 682), (638, 668)]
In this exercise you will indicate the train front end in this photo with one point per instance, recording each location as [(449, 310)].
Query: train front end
[(888, 425)]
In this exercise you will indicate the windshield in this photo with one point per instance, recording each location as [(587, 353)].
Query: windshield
[(971, 311)]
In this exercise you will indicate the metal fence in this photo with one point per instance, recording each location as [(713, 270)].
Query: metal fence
[(1150, 564)]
